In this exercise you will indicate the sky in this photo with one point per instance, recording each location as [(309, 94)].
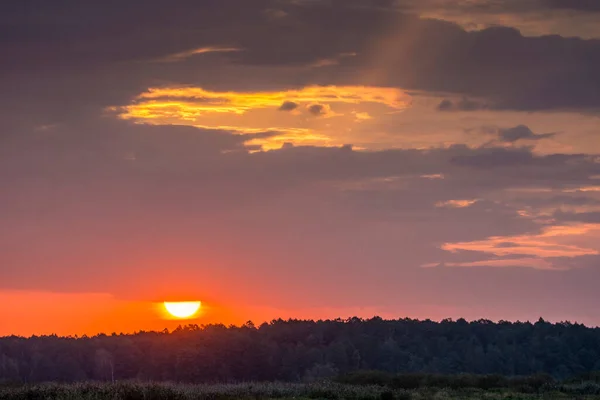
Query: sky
[(297, 159)]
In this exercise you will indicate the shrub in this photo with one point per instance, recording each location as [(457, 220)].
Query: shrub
[(366, 378), (387, 395)]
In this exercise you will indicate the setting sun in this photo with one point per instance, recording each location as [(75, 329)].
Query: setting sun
[(184, 309)]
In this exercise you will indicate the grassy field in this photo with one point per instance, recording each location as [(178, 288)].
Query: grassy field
[(255, 391)]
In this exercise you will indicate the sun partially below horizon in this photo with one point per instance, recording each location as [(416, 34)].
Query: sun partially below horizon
[(182, 309)]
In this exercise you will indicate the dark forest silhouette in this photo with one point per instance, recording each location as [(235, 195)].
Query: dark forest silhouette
[(296, 350)]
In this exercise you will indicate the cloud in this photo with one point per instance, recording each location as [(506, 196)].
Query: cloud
[(185, 103), (583, 189), (499, 65), (189, 53), (558, 200), (456, 203), (520, 132), (465, 104), (287, 138), (275, 14), (328, 62), (532, 17), (433, 176), (579, 5), (505, 81), (319, 110), (445, 105), (585, 217), (554, 242), (525, 262), (362, 116), (260, 111), (288, 106), (496, 157)]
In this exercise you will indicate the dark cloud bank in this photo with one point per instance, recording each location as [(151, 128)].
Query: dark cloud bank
[(498, 64)]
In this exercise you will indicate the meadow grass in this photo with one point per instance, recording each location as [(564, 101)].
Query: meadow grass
[(256, 391)]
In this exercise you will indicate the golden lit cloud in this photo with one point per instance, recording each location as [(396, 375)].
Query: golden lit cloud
[(362, 116), (297, 137), (202, 100), (313, 115), (456, 203), (369, 117)]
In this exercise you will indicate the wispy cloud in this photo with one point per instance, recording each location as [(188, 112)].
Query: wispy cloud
[(555, 241), (181, 56), (329, 62), (583, 189), (525, 262)]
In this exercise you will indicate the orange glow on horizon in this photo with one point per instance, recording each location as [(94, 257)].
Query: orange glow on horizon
[(70, 314)]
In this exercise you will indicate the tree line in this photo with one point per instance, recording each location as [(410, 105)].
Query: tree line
[(300, 350)]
